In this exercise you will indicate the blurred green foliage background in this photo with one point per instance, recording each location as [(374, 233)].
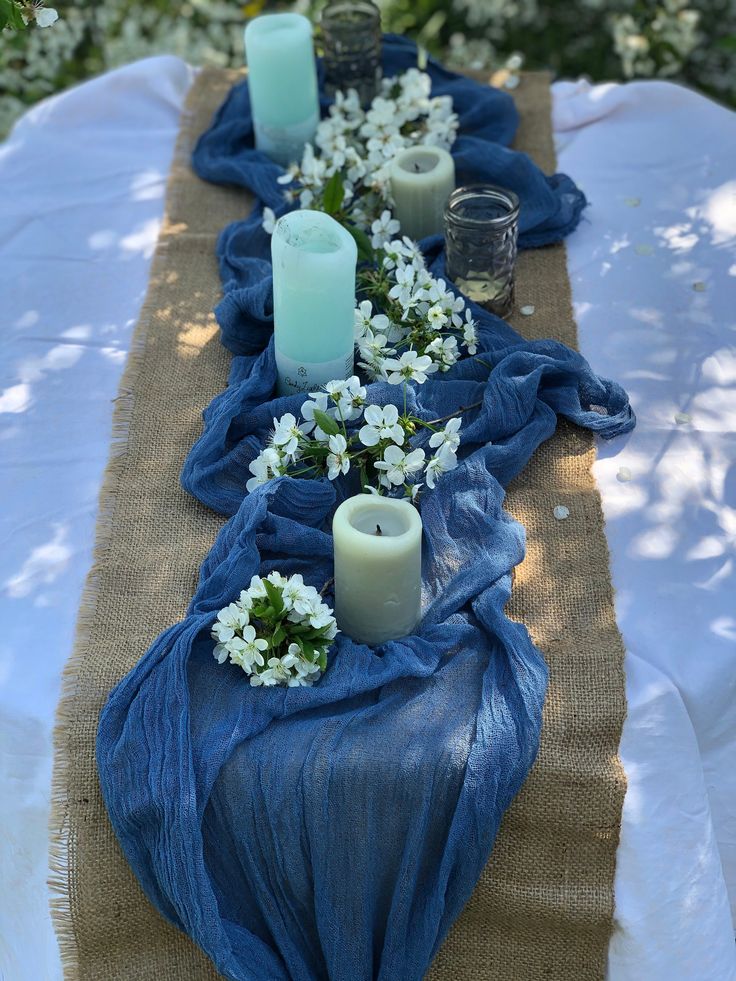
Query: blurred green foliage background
[(690, 41)]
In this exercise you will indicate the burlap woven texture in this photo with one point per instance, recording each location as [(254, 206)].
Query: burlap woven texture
[(544, 906)]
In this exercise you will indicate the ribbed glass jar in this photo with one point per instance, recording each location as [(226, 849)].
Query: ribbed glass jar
[(481, 229), (351, 37)]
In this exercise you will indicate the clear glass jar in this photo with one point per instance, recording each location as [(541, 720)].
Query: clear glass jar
[(351, 37), (481, 229)]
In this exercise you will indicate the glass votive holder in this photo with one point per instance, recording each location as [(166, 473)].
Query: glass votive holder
[(481, 229), (351, 38)]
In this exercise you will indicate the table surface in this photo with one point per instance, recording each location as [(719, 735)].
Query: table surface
[(652, 268)]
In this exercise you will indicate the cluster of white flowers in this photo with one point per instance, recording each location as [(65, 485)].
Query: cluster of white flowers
[(499, 15), (88, 39), (659, 46), (690, 39), (338, 431), (421, 326), (278, 631), (359, 144)]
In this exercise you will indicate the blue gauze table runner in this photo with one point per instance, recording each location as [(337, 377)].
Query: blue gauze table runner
[(336, 832)]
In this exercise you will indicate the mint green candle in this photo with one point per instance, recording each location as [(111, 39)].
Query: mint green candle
[(282, 82), (314, 261)]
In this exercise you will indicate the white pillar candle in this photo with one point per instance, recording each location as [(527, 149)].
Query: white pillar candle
[(422, 179), (378, 568), (314, 261), (282, 83)]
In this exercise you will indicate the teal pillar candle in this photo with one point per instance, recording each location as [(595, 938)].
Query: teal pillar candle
[(282, 82), (314, 260)]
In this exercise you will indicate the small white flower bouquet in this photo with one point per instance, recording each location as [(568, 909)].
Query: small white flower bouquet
[(278, 631), (338, 431)]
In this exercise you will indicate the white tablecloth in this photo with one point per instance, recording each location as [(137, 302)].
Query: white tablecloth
[(652, 269)]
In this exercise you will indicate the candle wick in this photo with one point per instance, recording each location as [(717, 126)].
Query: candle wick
[(378, 530), (417, 168)]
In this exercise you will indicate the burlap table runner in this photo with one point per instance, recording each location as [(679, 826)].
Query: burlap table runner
[(543, 908)]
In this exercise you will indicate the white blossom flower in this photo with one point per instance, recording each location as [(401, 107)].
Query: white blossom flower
[(320, 402), (229, 621), (409, 367), (403, 251), (449, 436), (436, 316), (338, 460), (245, 600), (383, 228), (256, 589), (443, 351), (292, 591), (398, 466), (381, 423), (249, 650), (267, 464), (271, 676), (366, 320), (374, 349), (440, 463), (403, 290), (268, 222), (221, 653), (34, 10), (287, 433), (470, 335), (302, 672), (349, 397)]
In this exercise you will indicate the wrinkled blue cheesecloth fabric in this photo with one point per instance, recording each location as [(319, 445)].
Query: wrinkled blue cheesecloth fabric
[(337, 831)]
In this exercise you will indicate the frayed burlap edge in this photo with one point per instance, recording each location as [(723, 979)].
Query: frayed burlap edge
[(62, 831)]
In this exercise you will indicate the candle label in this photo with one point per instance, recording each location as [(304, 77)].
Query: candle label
[(285, 144), (307, 376)]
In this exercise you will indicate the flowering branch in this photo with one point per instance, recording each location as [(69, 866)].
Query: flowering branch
[(347, 171), (329, 441), (17, 15), (411, 314)]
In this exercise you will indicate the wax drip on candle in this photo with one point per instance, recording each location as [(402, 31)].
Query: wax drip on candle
[(378, 530)]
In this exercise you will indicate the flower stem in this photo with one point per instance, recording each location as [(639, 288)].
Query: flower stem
[(452, 415)]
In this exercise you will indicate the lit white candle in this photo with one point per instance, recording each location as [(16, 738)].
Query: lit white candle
[(378, 568), (422, 179)]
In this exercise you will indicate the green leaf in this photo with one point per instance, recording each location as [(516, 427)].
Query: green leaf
[(279, 635), (274, 597), (322, 659), (365, 249), (10, 16), (326, 423), (333, 194)]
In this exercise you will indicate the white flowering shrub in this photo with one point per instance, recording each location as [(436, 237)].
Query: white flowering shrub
[(278, 631), (693, 41), (689, 40)]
